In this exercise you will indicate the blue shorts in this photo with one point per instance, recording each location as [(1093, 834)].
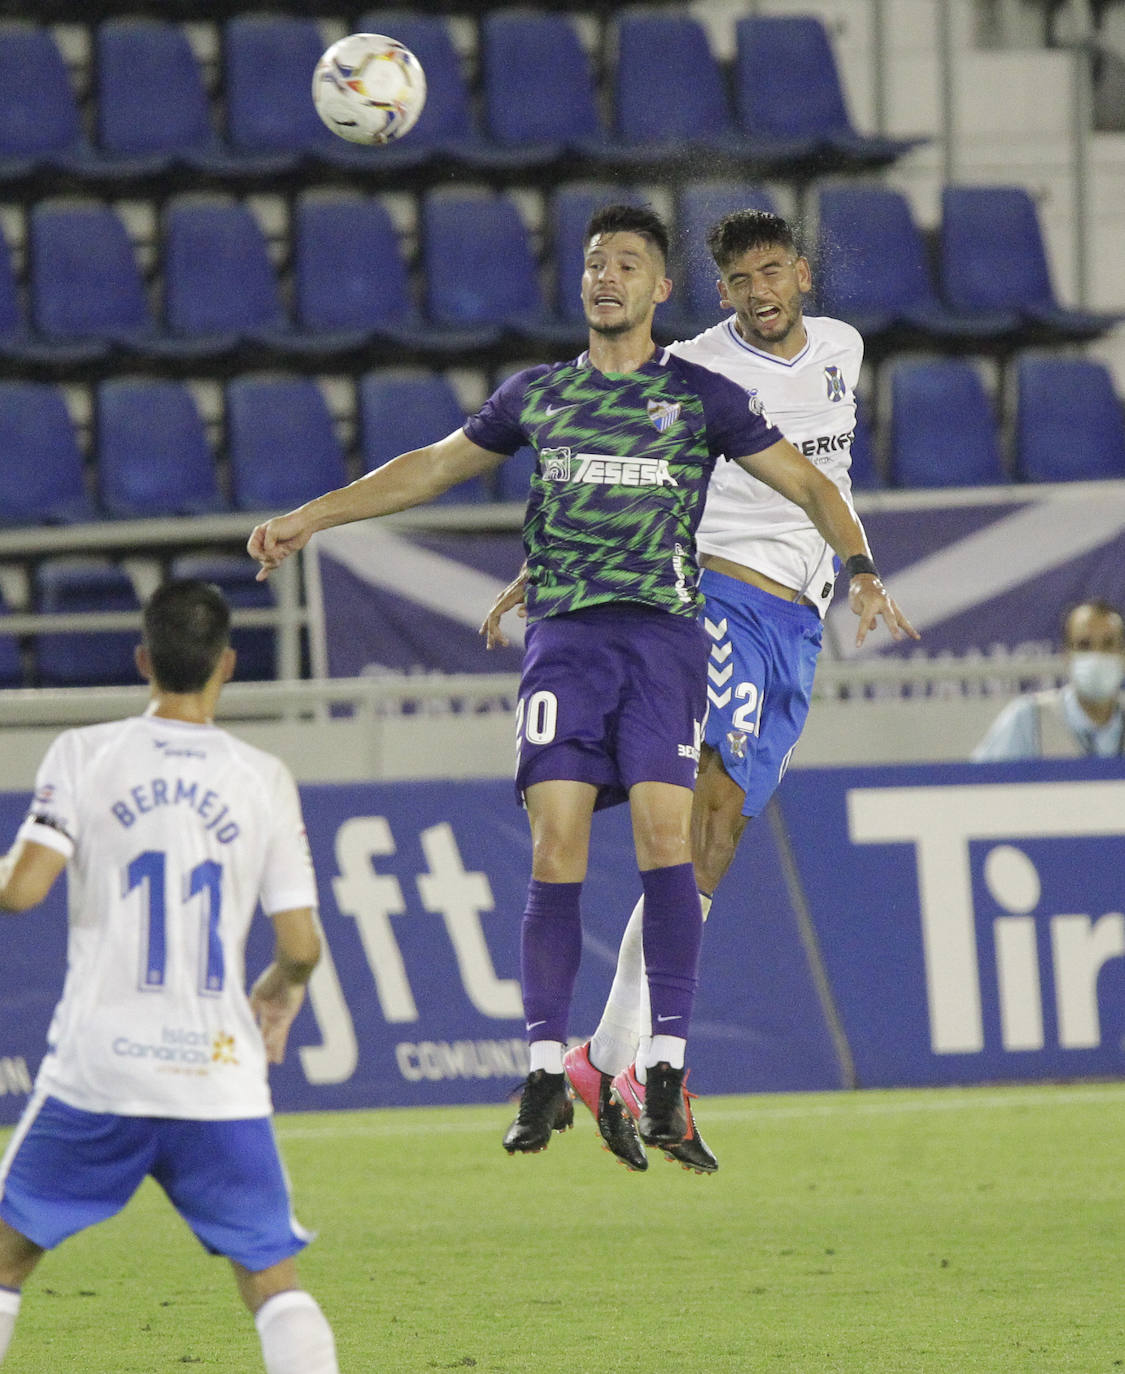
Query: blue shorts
[(759, 680), (611, 696), (66, 1169)]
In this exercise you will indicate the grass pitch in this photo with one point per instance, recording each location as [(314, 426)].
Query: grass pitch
[(923, 1232)]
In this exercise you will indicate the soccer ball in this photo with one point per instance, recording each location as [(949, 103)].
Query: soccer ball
[(369, 89)]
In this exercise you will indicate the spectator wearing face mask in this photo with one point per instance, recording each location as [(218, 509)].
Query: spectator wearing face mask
[(1082, 718)]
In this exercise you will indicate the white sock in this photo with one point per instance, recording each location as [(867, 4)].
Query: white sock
[(666, 1049), (9, 1310), (614, 1043), (546, 1054), (296, 1338), (644, 1040)]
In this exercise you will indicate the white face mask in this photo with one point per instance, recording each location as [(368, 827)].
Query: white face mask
[(1097, 677)]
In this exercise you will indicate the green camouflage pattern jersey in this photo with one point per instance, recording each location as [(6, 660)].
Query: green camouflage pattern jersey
[(622, 473)]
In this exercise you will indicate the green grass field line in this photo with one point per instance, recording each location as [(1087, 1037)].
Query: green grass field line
[(945, 1231)]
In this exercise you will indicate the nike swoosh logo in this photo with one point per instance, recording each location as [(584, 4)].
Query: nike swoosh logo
[(532, 1024), (554, 410), (669, 1018)]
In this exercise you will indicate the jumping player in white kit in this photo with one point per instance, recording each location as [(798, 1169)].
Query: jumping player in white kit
[(171, 832), (767, 577)]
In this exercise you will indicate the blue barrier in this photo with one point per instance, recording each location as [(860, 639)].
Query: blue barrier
[(417, 1002), (946, 924), (969, 916)]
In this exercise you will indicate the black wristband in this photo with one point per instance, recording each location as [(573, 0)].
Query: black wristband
[(860, 563)]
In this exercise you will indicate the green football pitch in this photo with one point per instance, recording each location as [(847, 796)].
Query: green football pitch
[(966, 1231)]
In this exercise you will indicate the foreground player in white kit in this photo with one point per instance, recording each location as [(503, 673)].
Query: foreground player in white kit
[(767, 579), (171, 831)]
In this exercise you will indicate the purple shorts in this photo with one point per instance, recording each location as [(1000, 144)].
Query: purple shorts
[(612, 696)]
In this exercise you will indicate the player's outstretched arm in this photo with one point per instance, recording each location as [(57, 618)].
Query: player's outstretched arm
[(27, 873), (513, 596), (278, 994), (411, 479), (791, 474)]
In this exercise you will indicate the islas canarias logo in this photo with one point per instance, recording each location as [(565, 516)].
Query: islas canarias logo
[(222, 1049)]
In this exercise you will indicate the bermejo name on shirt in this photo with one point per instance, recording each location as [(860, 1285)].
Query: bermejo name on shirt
[(605, 469), (206, 804)]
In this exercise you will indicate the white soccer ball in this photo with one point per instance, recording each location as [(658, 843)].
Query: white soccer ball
[(369, 89)]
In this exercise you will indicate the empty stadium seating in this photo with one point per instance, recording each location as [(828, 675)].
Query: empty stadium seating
[(943, 431)]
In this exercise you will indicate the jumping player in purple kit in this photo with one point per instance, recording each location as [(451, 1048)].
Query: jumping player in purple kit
[(613, 692), (767, 579)]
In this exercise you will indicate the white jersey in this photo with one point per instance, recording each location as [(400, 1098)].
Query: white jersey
[(811, 399), (173, 832)]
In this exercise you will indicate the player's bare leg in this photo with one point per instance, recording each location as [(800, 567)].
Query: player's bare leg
[(18, 1257), (295, 1336), (717, 822)]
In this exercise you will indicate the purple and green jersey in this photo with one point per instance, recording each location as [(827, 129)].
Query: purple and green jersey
[(622, 473)]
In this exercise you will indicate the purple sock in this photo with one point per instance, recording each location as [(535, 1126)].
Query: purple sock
[(550, 951), (672, 934)]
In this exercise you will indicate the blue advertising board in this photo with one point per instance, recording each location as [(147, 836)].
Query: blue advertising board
[(969, 916), (883, 926), (416, 1000)]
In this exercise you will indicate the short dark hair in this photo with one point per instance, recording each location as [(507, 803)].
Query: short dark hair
[(744, 230), (1098, 604), (629, 219), (186, 629)]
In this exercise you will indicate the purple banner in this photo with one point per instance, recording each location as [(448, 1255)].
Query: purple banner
[(986, 574)]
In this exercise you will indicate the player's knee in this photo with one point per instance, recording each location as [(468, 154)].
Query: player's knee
[(556, 858), (662, 844)]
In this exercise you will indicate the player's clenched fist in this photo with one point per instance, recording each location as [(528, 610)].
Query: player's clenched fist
[(272, 543)]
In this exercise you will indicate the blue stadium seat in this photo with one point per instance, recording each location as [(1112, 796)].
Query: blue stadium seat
[(351, 286), (235, 576), (873, 270), (220, 287), (670, 95), (41, 475), (942, 429), (11, 664), (446, 128), (993, 258), (570, 209), (281, 442), (865, 466), (1069, 424), (40, 125), (153, 457), (480, 272), (403, 410), (152, 106), (272, 123), (99, 658), (695, 300), (539, 93), (790, 101), (86, 289)]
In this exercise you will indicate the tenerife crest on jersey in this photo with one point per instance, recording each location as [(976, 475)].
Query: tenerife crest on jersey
[(837, 387), (663, 414)]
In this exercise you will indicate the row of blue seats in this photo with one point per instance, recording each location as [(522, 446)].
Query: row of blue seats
[(942, 430), (152, 454), (480, 281), (68, 658), (539, 98)]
